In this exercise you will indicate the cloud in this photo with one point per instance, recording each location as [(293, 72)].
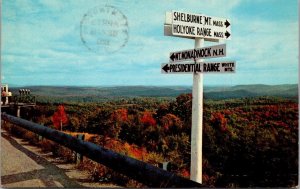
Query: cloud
[(41, 39), (266, 44)]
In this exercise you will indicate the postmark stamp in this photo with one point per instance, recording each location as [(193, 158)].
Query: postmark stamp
[(104, 29)]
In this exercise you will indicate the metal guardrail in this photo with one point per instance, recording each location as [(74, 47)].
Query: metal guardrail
[(145, 173)]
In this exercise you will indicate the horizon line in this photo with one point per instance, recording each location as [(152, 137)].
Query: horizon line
[(211, 85)]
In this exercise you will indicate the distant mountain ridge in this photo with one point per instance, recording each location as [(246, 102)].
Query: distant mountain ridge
[(239, 91), (211, 92)]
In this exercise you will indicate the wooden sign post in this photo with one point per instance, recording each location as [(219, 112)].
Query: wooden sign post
[(198, 27), (197, 121)]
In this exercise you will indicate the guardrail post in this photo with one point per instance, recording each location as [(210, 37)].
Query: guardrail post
[(39, 136), (79, 157), (165, 165), (18, 111), (74, 155)]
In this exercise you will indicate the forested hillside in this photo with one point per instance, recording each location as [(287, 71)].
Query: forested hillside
[(101, 94), (247, 142)]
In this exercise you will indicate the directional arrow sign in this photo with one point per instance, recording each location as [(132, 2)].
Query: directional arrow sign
[(206, 52), (203, 67), (198, 25)]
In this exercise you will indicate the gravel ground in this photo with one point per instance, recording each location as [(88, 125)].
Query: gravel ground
[(24, 165)]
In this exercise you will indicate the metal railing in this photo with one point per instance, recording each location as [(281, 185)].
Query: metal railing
[(143, 172)]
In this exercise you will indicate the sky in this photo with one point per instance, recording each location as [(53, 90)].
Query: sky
[(47, 42)]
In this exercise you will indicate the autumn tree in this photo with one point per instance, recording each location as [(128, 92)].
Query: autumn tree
[(171, 123), (162, 110), (120, 115), (147, 119), (149, 133), (182, 108), (218, 119), (59, 117), (74, 123), (118, 118)]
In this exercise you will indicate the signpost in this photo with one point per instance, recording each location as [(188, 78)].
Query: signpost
[(194, 54), (199, 27), (203, 67), (197, 120)]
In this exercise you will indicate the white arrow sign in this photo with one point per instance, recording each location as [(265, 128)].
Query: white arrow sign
[(198, 25), (206, 52), (203, 67)]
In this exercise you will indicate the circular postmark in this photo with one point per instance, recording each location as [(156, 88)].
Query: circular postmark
[(104, 29)]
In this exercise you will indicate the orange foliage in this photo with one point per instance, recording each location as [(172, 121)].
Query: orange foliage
[(147, 119), (127, 149), (219, 119), (120, 115), (87, 136), (185, 173), (170, 120)]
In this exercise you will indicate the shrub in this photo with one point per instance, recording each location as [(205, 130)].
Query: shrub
[(31, 137), (47, 145)]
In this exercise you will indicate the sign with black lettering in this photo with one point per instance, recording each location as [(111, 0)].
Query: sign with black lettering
[(202, 67), (198, 25), (194, 54), (200, 28)]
